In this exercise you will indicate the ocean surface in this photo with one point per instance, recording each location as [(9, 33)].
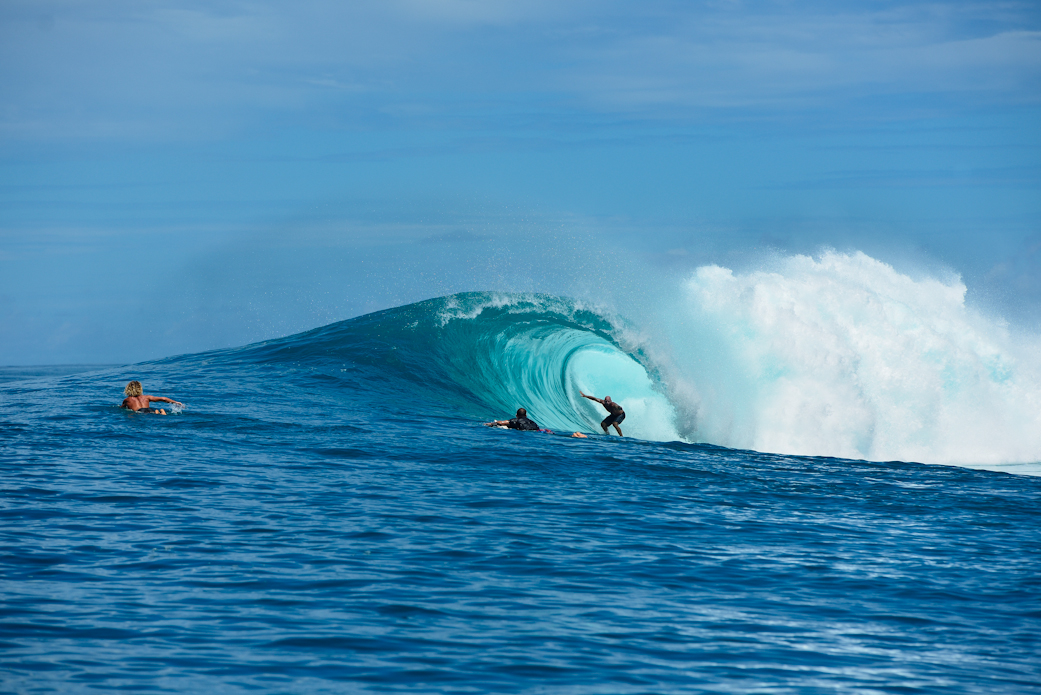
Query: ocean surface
[(327, 513)]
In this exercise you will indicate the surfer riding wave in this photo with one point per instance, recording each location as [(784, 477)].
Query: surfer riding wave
[(617, 414)]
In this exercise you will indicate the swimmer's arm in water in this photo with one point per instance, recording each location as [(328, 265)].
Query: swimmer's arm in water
[(497, 423)]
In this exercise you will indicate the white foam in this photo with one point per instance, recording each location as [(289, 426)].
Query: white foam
[(841, 355)]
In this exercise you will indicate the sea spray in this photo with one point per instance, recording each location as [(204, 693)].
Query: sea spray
[(841, 355)]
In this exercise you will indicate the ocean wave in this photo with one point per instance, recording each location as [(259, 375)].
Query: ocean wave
[(838, 355), (484, 355)]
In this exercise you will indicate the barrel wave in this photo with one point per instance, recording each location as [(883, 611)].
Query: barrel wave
[(484, 355), (839, 355)]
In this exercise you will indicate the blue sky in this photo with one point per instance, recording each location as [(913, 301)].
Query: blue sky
[(181, 176)]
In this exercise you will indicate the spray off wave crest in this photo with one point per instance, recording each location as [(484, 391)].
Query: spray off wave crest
[(843, 356), (838, 355)]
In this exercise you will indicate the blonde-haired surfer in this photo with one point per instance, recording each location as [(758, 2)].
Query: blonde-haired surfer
[(138, 402)]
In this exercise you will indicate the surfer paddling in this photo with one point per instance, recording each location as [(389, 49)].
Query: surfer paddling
[(521, 422), (616, 413), (140, 403)]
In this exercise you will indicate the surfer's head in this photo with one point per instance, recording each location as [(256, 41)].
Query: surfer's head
[(521, 412), (133, 388), (607, 399)]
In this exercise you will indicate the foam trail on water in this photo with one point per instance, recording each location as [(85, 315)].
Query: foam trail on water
[(841, 355)]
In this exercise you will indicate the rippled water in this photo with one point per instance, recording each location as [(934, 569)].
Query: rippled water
[(293, 531)]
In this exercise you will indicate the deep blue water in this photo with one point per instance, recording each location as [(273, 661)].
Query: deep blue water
[(329, 515)]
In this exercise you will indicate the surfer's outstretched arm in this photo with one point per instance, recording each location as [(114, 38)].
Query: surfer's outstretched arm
[(497, 423), (592, 398), (163, 399)]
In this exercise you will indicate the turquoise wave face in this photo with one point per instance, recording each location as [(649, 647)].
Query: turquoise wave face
[(483, 356)]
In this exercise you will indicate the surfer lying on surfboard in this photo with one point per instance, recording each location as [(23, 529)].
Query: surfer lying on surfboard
[(139, 402), (521, 422)]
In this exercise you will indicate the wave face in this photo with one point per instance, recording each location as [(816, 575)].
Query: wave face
[(484, 355), (835, 356)]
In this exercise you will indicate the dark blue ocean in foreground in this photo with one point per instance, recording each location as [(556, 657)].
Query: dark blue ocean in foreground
[(328, 515)]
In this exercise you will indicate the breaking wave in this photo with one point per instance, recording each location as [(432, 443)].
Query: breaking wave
[(838, 355)]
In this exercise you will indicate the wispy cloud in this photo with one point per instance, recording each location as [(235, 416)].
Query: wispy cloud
[(195, 70), (487, 12), (728, 59), (455, 237)]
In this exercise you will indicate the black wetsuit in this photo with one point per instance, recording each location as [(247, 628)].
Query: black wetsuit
[(522, 423)]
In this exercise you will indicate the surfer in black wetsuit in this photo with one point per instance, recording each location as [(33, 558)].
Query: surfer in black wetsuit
[(521, 422), (137, 401), (616, 413)]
